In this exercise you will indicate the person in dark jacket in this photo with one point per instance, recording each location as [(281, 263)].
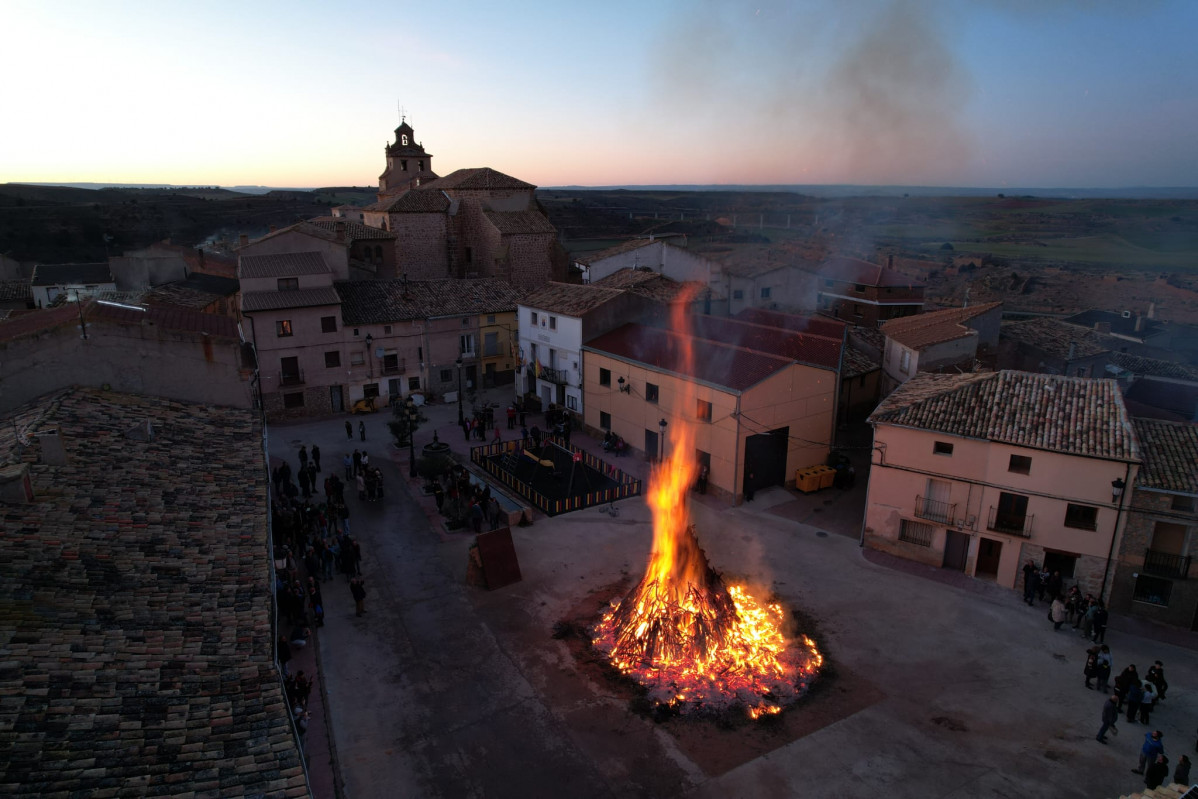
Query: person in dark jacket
[(1110, 714), (1031, 577), (1156, 676), (1157, 773), (1181, 774), (358, 589), (1090, 670), (1135, 694)]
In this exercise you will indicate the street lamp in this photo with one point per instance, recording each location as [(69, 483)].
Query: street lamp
[(1117, 486), (461, 418), (369, 358), (413, 415), (662, 424)]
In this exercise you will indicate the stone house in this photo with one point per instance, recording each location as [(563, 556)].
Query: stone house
[(862, 293), (981, 472), (763, 396), (938, 341), (1154, 576), (70, 281), (352, 250), (1053, 347)]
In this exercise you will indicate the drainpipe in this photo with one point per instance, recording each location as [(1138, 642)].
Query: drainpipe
[(736, 452), (1114, 533)]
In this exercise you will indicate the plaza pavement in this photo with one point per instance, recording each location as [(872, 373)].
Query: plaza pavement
[(949, 687)]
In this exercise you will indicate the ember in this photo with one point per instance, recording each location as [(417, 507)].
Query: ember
[(692, 641)]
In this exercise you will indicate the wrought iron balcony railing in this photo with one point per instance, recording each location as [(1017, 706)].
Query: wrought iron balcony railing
[(559, 376), (1011, 523), (295, 378), (935, 510), (1164, 564), (393, 367)]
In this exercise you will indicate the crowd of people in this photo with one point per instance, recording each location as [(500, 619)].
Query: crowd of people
[(1134, 698)]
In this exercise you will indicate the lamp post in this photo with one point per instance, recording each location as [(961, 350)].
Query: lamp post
[(1117, 487), (413, 414), (662, 424), (369, 357), (461, 418)]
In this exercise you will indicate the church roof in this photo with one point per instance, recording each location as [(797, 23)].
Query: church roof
[(513, 223), (416, 201), (478, 178)]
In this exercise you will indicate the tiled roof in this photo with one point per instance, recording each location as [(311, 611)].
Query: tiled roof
[(291, 264), (1170, 451), (515, 223), (1056, 338), (715, 362), (1074, 415), (354, 231), (647, 283), (477, 178), (934, 327), (306, 228), (137, 626), (166, 317), (58, 274), (1138, 365), (296, 298), (11, 290), (197, 291), (798, 323), (1152, 396), (755, 266), (417, 201), (367, 302), (20, 325), (857, 363), (619, 249), (569, 299), (1120, 324), (822, 351), (853, 270), (870, 335)]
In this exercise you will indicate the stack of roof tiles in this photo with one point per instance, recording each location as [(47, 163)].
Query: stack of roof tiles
[(136, 624), (1075, 415)]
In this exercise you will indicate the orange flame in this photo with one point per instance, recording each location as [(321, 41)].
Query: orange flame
[(681, 633)]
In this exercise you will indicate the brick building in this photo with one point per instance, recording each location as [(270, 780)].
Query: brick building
[(862, 293)]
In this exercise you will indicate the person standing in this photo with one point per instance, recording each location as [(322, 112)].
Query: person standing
[(1158, 772), (348, 463), (357, 588), (349, 429), (1181, 774), (1056, 612), (316, 456), (1147, 701), (1090, 670), (1110, 714), (466, 428), (303, 456), (1031, 576), (357, 462), (302, 476), (511, 417), (1103, 668), (1149, 751), (1135, 694), (1100, 620), (362, 429), (1156, 676), (1123, 682)]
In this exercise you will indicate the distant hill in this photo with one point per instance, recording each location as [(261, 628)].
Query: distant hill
[(838, 190)]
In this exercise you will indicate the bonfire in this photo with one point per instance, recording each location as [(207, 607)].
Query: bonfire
[(693, 642)]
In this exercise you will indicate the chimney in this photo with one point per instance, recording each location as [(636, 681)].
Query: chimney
[(1152, 310), (1139, 323), (339, 229), (243, 240)]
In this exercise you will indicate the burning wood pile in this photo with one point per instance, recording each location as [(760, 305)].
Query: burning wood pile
[(691, 641)]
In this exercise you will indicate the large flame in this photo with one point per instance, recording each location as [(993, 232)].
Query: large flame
[(689, 639)]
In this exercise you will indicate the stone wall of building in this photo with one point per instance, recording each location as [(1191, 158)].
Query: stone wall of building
[(1087, 570), (420, 246), (1147, 509), (316, 403)]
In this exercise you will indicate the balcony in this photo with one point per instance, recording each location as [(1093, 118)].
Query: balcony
[(558, 376), (1164, 564), (936, 511), (392, 366), (1009, 523), (295, 378)]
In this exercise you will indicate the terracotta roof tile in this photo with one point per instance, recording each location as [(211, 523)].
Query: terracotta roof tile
[(720, 364), (822, 351), (138, 637), (252, 301), (626, 246), (853, 270), (647, 283), (11, 290), (19, 325), (166, 317), (569, 299), (1153, 367), (366, 302), (934, 327), (290, 264), (799, 323), (1074, 415), (354, 231), (1170, 451), (477, 178), (1056, 338), (417, 201), (514, 223), (857, 363)]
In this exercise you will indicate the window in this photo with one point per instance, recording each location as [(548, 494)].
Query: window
[(533, 317), (915, 533), (466, 344), (572, 402), (738, 295), (1010, 516), (386, 330), (905, 362), (605, 420), (828, 284), (356, 358), (332, 359), (403, 164), (857, 309), (605, 377), (553, 323), (446, 376), (703, 411), (1082, 371), (942, 448), (469, 255), (490, 343), (1081, 517), (1063, 562), (1020, 464), (765, 292), (370, 391), (283, 328), (293, 400), (651, 392), (413, 384), (355, 332), (328, 324), (1153, 590), (288, 283), (490, 318), (1183, 504)]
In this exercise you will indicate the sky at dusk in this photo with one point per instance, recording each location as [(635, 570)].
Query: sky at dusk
[(994, 93)]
